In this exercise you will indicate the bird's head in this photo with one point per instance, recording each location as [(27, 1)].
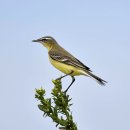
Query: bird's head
[(46, 41)]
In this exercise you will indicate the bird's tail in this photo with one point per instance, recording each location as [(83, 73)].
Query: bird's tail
[(98, 79)]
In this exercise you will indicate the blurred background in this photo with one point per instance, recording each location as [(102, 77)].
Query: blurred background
[(96, 32)]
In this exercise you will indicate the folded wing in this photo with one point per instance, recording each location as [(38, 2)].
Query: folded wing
[(69, 60)]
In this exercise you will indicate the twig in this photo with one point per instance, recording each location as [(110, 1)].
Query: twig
[(57, 107)]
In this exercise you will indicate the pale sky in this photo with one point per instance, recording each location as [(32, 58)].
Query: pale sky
[(96, 32)]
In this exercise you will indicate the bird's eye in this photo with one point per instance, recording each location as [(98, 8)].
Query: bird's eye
[(44, 39)]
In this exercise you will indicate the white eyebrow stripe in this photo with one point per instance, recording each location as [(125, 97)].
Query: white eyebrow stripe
[(47, 38)]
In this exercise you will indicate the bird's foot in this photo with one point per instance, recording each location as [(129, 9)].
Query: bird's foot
[(59, 78)]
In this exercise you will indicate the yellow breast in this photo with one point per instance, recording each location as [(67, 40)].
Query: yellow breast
[(66, 68)]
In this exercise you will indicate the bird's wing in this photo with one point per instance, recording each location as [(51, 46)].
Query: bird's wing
[(69, 60)]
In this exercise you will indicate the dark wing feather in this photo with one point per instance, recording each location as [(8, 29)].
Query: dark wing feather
[(68, 60)]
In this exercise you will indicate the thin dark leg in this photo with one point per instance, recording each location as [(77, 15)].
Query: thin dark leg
[(64, 76), (73, 79)]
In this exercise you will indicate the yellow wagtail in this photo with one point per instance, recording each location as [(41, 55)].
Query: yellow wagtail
[(65, 62)]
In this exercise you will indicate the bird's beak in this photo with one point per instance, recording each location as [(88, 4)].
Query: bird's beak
[(37, 40)]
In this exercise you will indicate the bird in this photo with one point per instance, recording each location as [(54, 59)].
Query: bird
[(64, 61)]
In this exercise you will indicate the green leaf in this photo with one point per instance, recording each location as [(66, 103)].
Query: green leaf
[(57, 107)]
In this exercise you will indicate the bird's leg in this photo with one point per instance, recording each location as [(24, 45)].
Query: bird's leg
[(73, 79), (64, 76)]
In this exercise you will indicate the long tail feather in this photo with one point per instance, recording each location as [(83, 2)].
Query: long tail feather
[(99, 80)]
